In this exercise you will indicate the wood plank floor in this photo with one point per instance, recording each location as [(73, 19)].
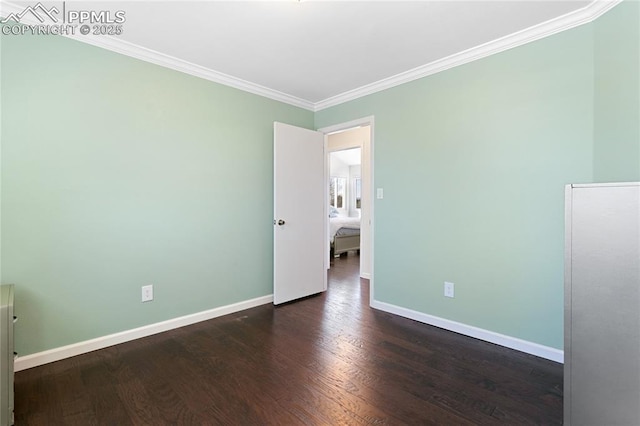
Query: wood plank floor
[(325, 360)]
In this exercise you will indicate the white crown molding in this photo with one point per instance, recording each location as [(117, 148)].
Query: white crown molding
[(56, 354), (545, 29), (525, 346), (123, 47), (148, 55)]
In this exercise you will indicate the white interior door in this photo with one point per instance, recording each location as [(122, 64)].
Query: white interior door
[(299, 213)]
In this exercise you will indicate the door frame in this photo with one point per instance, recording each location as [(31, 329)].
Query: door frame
[(367, 156)]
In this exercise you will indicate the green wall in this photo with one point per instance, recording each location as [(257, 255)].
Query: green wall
[(117, 173), (617, 94), (473, 162), (1, 68)]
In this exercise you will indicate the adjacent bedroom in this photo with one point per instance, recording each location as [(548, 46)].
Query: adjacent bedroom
[(345, 202)]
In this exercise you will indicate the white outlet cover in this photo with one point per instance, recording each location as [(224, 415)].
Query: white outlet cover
[(448, 289), (147, 293)]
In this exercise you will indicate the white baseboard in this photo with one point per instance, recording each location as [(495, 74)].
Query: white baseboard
[(536, 349), (365, 275), (56, 354)]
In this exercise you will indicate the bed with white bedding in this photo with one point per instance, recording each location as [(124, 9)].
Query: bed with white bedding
[(344, 234)]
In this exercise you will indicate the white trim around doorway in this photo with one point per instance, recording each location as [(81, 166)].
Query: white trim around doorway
[(367, 156)]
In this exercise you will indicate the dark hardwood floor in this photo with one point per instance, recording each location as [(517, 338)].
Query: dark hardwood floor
[(324, 360)]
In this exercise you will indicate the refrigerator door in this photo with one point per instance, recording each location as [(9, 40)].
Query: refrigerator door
[(602, 301)]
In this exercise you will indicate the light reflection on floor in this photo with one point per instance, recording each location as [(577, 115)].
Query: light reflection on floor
[(347, 300)]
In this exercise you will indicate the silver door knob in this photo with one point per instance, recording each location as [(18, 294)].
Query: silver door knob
[(280, 222)]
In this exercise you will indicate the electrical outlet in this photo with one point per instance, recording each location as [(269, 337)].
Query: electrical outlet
[(147, 293), (448, 289)]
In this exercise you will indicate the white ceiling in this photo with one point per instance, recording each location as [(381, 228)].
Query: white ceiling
[(350, 157), (312, 52)]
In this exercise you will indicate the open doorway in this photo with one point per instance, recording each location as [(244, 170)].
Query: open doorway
[(294, 176), (345, 202), (349, 162)]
